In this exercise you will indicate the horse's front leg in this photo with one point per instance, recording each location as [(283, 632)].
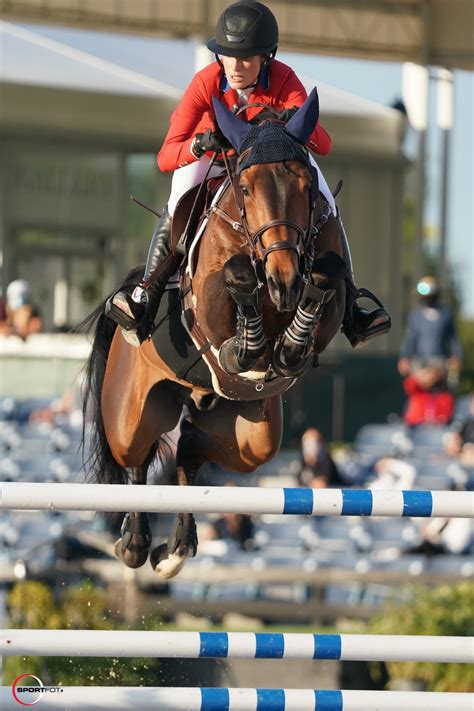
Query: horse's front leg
[(294, 350), (169, 558), (133, 545), (241, 352)]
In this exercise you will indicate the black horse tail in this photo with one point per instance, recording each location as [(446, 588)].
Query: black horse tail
[(99, 462)]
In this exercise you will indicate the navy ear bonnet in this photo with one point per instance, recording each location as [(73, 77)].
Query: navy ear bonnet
[(270, 143)]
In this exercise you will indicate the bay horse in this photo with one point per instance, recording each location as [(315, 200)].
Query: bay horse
[(270, 231)]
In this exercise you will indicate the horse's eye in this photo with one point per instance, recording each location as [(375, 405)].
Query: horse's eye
[(245, 190)]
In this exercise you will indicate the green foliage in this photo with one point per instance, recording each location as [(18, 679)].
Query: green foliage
[(408, 236), (443, 611), (141, 173), (466, 334), (32, 605)]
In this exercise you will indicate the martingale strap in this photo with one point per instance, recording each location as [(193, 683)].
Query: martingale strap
[(227, 218), (231, 387)]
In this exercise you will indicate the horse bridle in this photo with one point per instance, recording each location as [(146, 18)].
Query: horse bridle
[(258, 252)]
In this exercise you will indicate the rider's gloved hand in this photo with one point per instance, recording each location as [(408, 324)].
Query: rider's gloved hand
[(269, 113), (210, 140), (286, 114)]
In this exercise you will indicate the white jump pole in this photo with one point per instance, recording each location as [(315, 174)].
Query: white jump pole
[(204, 499), (232, 645), (86, 698)]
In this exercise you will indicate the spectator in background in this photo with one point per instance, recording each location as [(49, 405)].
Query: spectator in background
[(430, 332), (21, 317), (429, 400), (235, 527), (460, 442), (445, 535), (392, 474), (318, 469), (66, 410)]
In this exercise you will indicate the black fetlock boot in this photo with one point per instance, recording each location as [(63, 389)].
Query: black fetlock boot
[(360, 325), (135, 316), (240, 353)]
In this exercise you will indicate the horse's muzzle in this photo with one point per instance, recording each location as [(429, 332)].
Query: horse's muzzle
[(284, 295)]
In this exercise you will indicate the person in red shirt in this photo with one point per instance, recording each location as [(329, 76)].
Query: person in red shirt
[(245, 71), (429, 400)]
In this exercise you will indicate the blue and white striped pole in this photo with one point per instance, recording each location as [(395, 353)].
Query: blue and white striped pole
[(204, 499), (233, 645), (86, 698)]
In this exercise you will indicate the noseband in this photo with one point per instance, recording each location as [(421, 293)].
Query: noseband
[(258, 252)]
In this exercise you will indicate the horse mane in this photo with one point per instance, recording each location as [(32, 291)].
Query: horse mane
[(98, 460)]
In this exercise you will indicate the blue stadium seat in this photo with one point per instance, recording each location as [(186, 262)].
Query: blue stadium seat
[(381, 439), (428, 439)]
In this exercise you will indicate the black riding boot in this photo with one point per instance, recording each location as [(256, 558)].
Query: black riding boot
[(360, 325), (160, 265)]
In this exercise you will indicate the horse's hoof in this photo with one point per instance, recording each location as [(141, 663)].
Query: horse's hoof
[(133, 558), (165, 564), (293, 367), (231, 363)]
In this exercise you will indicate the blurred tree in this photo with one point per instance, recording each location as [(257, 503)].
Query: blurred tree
[(446, 611), (142, 180), (466, 334), (31, 605)]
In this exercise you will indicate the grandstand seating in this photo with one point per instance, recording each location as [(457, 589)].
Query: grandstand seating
[(38, 451)]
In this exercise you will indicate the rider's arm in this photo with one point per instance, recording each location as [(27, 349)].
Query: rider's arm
[(190, 117), (294, 94)]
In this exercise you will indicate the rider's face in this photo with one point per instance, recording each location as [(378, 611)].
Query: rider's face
[(242, 72)]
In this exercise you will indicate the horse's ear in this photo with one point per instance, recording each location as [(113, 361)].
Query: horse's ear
[(302, 124), (233, 128)]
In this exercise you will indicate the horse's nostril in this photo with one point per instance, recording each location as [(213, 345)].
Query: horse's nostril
[(272, 283), (296, 286)]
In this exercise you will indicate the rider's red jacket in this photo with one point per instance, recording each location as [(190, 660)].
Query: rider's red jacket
[(278, 87)]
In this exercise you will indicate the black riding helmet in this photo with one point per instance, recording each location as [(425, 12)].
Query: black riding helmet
[(245, 29)]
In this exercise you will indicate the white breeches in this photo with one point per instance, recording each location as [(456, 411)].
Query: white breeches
[(190, 175), (323, 186), (187, 177)]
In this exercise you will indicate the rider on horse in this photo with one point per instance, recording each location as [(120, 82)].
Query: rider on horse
[(245, 71)]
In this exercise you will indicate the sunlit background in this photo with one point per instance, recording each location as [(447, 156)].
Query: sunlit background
[(86, 92)]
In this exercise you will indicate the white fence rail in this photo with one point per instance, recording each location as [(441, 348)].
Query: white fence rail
[(232, 645), (85, 698), (205, 499)]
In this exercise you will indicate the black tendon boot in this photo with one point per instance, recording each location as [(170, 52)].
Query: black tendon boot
[(240, 353), (360, 325), (135, 316)]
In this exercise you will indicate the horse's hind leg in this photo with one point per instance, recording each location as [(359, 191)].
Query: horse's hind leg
[(169, 558), (133, 545)]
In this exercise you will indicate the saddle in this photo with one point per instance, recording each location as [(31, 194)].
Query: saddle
[(190, 213)]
